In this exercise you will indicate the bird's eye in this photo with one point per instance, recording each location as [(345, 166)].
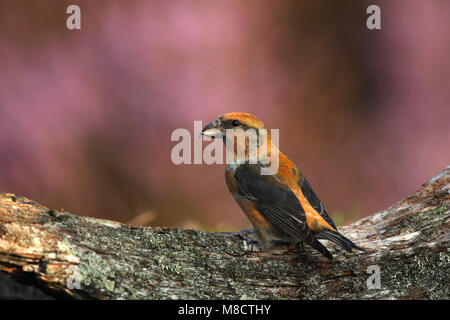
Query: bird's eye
[(235, 123)]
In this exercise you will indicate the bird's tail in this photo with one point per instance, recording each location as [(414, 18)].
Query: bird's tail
[(321, 248), (339, 239)]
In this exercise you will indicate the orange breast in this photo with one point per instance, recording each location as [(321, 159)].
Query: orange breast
[(256, 218)]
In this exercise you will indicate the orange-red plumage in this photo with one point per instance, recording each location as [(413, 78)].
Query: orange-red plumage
[(281, 206)]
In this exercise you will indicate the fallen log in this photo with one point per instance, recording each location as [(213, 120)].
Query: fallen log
[(67, 255)]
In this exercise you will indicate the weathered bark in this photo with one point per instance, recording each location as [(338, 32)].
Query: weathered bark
[(408, 242)]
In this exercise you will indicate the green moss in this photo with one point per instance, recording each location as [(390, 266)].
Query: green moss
[(426, 215)]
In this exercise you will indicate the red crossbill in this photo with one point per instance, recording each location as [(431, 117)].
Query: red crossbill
[(282, 207)]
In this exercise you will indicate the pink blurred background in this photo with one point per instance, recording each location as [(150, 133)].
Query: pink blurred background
[(86, 115)]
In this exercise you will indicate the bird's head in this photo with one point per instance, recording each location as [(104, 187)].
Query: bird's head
[(247, 139), (232, 121)]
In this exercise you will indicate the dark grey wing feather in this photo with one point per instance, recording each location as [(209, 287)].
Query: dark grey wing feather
[(333, 236), (309, 193), (277, 203)]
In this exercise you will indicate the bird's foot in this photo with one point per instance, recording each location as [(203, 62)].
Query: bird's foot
[(301, 246), (304, 254), (250, 244)]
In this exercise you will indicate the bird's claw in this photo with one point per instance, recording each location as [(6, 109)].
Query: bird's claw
[(248, 241), (302, 246)]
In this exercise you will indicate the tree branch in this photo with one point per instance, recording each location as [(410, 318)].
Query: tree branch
[(51, 250)]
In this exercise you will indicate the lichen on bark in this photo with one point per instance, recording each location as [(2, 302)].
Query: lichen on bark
[(408, 242)]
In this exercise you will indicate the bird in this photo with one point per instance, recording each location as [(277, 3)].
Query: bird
[(282, 207)]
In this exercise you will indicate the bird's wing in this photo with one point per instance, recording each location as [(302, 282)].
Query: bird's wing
[(274, 200), (309, 194)]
